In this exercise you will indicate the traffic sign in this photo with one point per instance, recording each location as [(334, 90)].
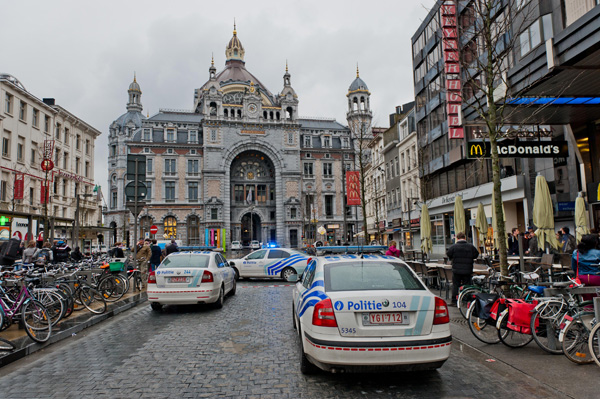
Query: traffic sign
[(131, 206), (153, 229), (130, 190)]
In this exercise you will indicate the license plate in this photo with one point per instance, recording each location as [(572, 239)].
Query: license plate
[(179, 279), (385, 318)]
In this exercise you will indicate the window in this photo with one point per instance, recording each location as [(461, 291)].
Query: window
[(397, 163), (65, 160), (34, 155), (113, 200), (290, 137), (327, 141), (170, 227), (345, 142), (170, 167), (78, 142), (149, 166), (193, 137), (261, 193), (238, 193), (193, 224), (307, 141), (329, 206), (77, 162), (58, 131), (193, 152), (170, 135), (539, 31), (3, 190), (113, 150), (148, 190), (170, 191), (327, 169), (23, 111), (46, 123), (193, 191), (64, 187), (403, 163), (6, 144), (8, 103), (87, 169), (67, 136), (35, 117), (293, 213), (308, 169), (192, 167), (213, 135), (146, 135), (20, 148), (214, 213)]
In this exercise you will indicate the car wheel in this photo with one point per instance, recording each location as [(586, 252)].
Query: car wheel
[(294, 318), (233, 289), (221, 299), (157, 307), (237, 273), (306, 367), (287, 273)]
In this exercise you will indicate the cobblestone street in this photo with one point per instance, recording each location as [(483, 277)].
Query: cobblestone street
[(246, 350)]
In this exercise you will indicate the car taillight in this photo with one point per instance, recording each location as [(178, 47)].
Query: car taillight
[(441, 315), (308, 261), (323, 314), (152, 278), (207, 277)]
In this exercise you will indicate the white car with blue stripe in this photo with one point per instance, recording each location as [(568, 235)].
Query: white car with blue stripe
[(270, 263), (187, 278), (368, 313)]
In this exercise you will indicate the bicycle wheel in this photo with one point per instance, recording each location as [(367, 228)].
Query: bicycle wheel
[(575, 338), (112, 287), (36, 320), (511, 338), (465, 298), (92, 299), (594, 343), (6, 345), (68, 298), (547, 331), (481, 329), (52, 301)]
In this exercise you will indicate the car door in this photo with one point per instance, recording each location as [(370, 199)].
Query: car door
[(228, 273), (302, 298), (275, 262), (253, 264)]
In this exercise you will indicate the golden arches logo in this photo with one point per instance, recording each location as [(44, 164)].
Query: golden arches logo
[(476, 149), (598, 193)]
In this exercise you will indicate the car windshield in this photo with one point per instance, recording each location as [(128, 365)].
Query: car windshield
[(184, 261), (366, 276)]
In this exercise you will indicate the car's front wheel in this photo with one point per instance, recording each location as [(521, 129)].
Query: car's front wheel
[(157, 307), (287, 273)]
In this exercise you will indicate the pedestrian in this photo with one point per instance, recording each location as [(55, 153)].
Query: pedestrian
[(76, 255), (392, 250), (44, 256), (29, 252), (462, 254), (142, 257), (156, 255), (513, 242), (585, 262), (61, 252), (21, 249), (569, 243), (118, 251), (172, 247), (533, 249)]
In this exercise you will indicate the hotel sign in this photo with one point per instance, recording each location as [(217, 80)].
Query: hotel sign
[(452, 69), (518, 149)]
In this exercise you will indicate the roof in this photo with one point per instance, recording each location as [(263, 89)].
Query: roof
[(132, 116), (330, 124), (170, 116), (358, 84)]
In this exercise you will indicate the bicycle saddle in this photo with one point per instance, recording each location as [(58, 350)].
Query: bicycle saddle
[(537, 289)]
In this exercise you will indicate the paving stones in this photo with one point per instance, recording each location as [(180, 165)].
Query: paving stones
[(248, 349)]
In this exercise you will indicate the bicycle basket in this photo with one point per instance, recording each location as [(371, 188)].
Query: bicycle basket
[(116, 266)]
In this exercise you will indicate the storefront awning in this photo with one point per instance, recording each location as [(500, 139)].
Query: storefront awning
[(392, 231)]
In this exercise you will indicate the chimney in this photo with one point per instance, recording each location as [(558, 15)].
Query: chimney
[(48, 101)]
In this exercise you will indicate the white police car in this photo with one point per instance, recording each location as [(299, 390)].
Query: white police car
[(368, 313), (185, 278), (270, 263)]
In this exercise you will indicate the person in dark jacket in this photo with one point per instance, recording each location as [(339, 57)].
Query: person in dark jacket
[(568, 242), (61, 252), (462, 254), (172, 247), (156, 256), (513, 242), (76, 255), (118, 251)]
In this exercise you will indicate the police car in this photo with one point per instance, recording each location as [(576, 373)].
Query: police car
[(368, 313), (185, 278), (270, 263)]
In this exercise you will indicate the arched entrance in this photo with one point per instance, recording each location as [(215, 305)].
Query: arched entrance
[(251, 228), (253, 199)]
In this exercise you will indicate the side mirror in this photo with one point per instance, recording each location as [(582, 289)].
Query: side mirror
[(294, 278)]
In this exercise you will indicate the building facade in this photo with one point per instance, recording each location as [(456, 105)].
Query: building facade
[(240, 165), (33, 130)]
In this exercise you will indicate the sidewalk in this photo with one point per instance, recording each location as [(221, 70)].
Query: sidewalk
[(555, 371), (65, 328)]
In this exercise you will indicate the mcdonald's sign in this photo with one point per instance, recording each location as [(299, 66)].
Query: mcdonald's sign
[(478, 149), (593, 193), (519, 149)]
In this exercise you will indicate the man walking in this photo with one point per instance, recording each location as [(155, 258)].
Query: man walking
[(172, 247), (462, 254), (569, 244)]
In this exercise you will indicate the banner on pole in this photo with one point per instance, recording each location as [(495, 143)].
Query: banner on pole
[(353, 187), (19, 186)]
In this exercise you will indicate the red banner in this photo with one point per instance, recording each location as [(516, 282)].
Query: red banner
[(452, 68), (353, 187), (45, 195), (19, 186)]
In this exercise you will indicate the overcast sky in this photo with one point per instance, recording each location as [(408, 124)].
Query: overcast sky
[(84, 53)]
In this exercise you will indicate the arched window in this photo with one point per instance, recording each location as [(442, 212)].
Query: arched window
[(289, 112), (170, 224), (239, 113), (213, 108), (265, 114), (355, 105), (277, 115), (193, 230), (226, 113)]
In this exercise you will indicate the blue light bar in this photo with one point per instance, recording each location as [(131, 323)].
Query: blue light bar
[(554, 100)]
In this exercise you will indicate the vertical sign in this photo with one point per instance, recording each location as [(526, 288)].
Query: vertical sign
[(19, 186), (48, 149), (452, 69), (353, 187)]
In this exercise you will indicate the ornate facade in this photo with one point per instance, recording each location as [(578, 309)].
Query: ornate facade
[(241, 165)]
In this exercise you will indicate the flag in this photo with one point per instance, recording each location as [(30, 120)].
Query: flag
[(249, 197)]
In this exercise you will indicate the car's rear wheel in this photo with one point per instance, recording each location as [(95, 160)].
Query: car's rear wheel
[(287, 273), (221, 299), (157, 307), (306, 367), (233, 289)]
